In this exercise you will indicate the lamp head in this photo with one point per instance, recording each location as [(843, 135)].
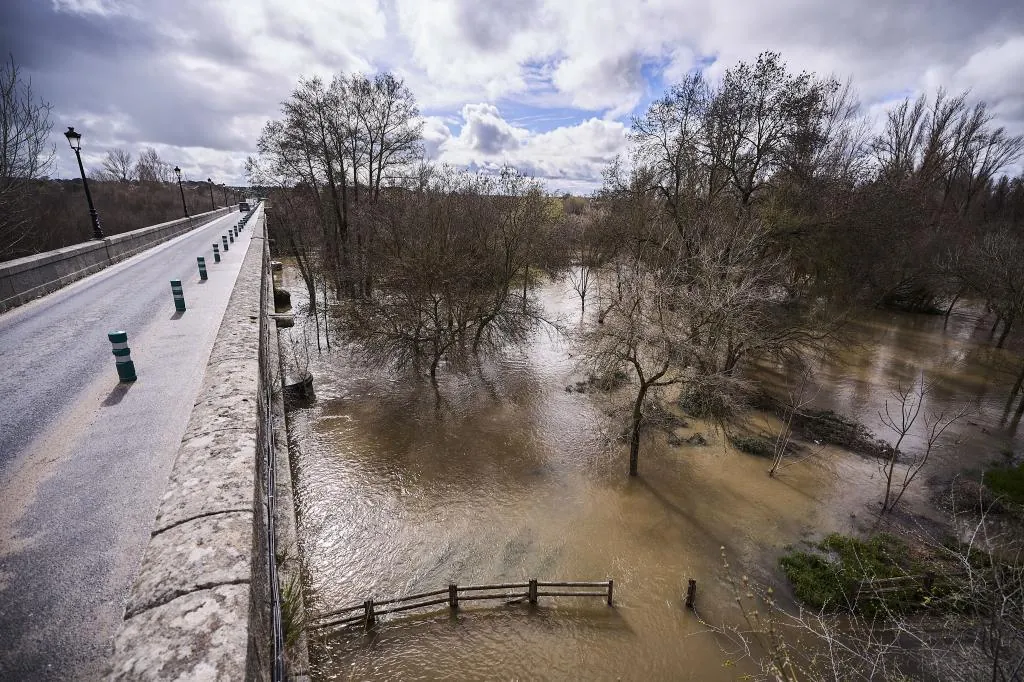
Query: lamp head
[(74, 139)]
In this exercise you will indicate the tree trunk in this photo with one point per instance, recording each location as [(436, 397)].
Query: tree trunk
[(1017, 415), (949, 309), (634, 438), (1016, 387), (327, 322), (526, 281), (1007, 326)]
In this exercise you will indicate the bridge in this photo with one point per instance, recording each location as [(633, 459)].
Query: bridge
[(137, 522)]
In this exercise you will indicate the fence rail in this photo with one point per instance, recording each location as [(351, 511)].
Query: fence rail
[(366, 613)]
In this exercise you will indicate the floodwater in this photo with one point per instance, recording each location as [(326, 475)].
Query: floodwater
[(503, 475)]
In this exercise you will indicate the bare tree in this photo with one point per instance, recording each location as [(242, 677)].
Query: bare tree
[(991, 269), (901, 413), (336, 139), (687, 311), (25, 153), (388, 126), (151, 168), (118, 165), (760, 115), (800, 396), (589, 251), (449, 249)]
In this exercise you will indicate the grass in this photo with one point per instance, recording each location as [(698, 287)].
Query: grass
[(829, 576), (293, 617), (1007, 482)]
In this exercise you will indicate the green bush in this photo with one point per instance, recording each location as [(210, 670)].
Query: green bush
[(830, 575), (1008, 482), (754, 445)]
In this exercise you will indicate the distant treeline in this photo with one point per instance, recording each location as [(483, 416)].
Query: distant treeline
[(38, 214), (54, 213)]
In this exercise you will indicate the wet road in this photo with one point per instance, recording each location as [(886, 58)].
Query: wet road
[(83, 459)]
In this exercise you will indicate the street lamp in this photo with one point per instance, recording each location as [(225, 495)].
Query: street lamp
[(213, 206), (177, 171), (75, 140)]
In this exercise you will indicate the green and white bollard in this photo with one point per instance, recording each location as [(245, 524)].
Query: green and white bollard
[(179, 295), (216, 253), (122, 355), (202, 267), (224, 240)]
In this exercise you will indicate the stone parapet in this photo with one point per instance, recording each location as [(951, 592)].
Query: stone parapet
[(201, 607), (24, 279)]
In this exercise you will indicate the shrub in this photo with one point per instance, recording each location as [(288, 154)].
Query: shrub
[(1007, 482), (753, 445), (830, 575)]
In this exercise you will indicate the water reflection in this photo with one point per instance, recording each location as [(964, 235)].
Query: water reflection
[(503, 475)]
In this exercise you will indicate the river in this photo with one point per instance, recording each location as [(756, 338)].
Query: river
[(503, 475)]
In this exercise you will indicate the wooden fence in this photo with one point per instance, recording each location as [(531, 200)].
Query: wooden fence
[(365, 614)]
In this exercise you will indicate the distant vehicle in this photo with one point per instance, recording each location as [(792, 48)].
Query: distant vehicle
[(243, 206)]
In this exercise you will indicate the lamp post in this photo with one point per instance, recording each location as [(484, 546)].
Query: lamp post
[(75, 140), (213, 206), (177, 171)]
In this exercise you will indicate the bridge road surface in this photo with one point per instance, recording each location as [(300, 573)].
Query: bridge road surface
[(84, 459)]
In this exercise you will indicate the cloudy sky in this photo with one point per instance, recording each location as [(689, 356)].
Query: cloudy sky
[(546, 85)]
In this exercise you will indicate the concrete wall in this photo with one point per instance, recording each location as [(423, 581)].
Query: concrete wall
[(24, 279), (200, 607)]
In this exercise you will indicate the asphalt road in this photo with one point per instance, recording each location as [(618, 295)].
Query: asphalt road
[(84, 459)]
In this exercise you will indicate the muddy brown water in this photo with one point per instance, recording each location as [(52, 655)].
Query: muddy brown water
[(503, 475)]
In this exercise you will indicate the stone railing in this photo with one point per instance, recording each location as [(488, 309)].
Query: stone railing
[(24, 279), (204, 603)]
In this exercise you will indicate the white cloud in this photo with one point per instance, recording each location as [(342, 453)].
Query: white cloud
[(567, 158), (202, 74), (995, 73), (487, 133)]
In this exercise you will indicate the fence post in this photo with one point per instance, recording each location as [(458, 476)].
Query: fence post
[(216, 253), (611, 584), (453, 597), (369, 619), (532, 595), (691, 592), (202, 267), (179, 295)]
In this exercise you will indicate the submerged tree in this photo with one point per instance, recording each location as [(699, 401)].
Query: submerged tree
[(687, 313), (453, 252), (903, 410)]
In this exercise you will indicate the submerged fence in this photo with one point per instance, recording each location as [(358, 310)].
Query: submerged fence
[(365, 614)]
